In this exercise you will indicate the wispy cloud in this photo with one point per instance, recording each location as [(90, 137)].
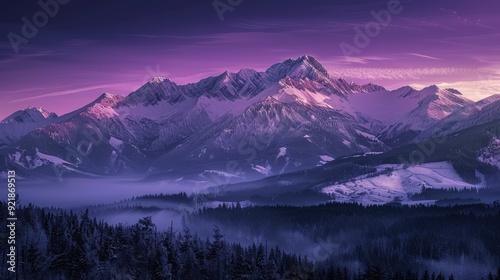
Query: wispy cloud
[(67, 92), (425, 56), (397, 73), (475, 90)]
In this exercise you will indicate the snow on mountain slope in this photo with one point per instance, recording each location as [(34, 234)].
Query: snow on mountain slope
[(487, 114), (269, 137), (116, 143), (226, 87), (162, 118), (313, 93), (22, 122), (232, 92), (435, 105), (302, 68), (161, 114), (286, 90), (396, 182), (156, 90), (387, 106), (487, 101), (324, 159), (479, 113), (36, 160), (405, 112), (50, 158), (82, 138), (294, 115), (29, 115), (307, 67)]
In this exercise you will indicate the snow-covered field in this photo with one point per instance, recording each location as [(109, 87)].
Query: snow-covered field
[(398, 183)]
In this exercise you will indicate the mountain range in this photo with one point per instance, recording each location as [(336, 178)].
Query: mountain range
[(234, 127)]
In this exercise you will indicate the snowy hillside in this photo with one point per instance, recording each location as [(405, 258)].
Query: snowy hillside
[(397, 182)]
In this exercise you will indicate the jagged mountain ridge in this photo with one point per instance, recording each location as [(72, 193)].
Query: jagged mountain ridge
[(290, 117), (21, 122), (407, 115), (29, 115)]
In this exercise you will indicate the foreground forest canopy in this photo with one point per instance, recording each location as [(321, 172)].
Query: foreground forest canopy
[(376, 242)]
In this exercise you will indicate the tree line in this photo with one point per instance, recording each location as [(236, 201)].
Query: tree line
[(60, 244)]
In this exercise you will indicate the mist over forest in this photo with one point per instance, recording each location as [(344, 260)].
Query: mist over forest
[(320, 241)]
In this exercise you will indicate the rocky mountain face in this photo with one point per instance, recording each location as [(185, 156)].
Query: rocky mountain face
[(29, 115), (231, 127), (20, 123)]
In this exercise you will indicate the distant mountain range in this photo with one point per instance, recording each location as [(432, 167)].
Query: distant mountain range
[(233, 127)]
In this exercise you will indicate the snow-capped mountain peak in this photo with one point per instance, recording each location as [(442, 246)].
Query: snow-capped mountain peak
[(488, 100), (155, 90), (434, 104), (455, 91), (300, 68), (29, 115), (294, 104), (22, 122), (308, 67), (158, 80), (109, 99)]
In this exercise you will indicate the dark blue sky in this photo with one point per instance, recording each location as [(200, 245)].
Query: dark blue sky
[(89, 47)]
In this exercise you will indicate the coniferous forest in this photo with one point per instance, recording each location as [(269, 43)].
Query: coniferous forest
[(355, 242)]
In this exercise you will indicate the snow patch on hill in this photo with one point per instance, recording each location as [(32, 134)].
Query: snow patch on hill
[(50, 158), (394, 181), (36, 160), (282, 152), (116, 143), (219, 173), (324, 159), (266, 170)]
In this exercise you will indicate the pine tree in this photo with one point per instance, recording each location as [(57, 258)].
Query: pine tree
[(35, 264), (79, 264), (215, 254), (142, 246), (187, 257), (174, 262), (199, 256), (425, 275), (158, 265), (440, 277), (240, 268), (58, 245)]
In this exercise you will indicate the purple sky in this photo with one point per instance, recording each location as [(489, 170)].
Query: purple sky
[(94, 47)]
